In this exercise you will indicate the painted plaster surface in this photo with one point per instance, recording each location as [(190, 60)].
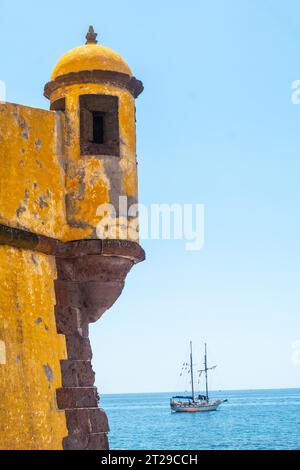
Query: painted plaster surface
[(53, 190), (31, 173), (30, 374)]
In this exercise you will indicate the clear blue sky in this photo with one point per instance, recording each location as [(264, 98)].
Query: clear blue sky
[(215, 125)]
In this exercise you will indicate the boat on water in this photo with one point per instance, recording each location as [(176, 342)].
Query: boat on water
[(193, 403)]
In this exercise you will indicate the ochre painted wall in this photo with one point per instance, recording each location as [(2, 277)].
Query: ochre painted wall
[(40, 164), (31, 170), (31, 351)]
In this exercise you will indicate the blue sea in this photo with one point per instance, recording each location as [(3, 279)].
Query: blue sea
[(252, 419)]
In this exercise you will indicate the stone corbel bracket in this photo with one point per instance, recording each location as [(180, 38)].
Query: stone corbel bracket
[(90, 278), (91, 275)]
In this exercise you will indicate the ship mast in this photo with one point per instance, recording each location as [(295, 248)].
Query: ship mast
[(192, 372), (206, 369)]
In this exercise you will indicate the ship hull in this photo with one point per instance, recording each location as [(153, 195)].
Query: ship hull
[(195, 408)]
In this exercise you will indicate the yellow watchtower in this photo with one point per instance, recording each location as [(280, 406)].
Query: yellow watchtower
[(95, 89)]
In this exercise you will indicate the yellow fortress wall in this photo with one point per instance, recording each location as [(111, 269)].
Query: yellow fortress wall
[(31, 197), (29, 375), (31, 170)]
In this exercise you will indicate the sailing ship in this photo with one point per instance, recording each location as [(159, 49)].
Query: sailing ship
[(193, 404)]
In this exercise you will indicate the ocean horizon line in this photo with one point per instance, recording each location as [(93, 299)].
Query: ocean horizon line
[(212, 391)]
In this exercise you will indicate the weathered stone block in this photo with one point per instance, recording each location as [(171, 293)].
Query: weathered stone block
[(77, 397)]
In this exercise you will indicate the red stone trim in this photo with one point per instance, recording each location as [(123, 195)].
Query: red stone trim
[(26, 240), (77, 397), (118, 79), (83, 425), (77, 373)]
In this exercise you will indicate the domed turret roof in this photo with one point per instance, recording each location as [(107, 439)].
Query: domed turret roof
[(91, 56)]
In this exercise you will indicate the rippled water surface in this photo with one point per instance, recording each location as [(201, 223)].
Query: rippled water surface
[(256, 419)]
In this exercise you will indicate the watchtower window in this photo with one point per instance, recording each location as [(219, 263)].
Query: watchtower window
[(98, 128), (99, 125)]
